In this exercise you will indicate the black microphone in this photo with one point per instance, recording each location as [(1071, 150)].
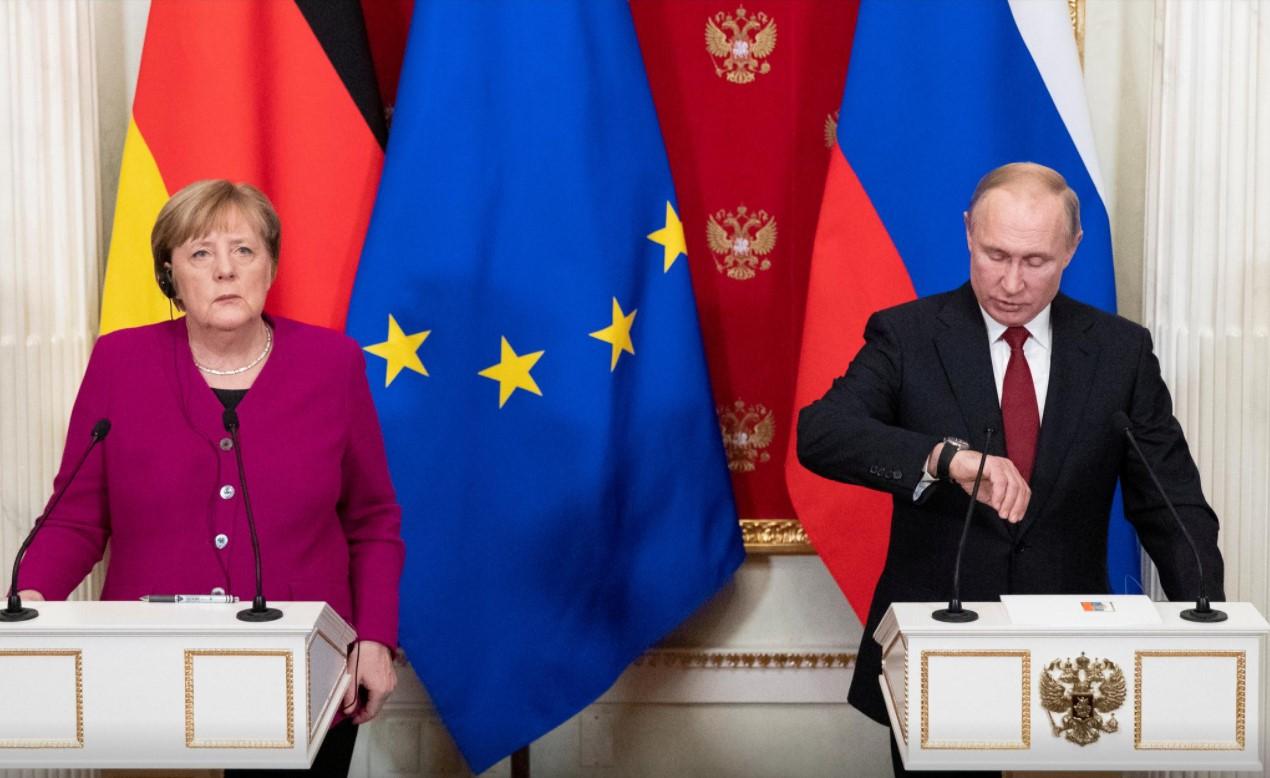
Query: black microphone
[(258, 611), (954, 613), (15, 611), (1203, 611)]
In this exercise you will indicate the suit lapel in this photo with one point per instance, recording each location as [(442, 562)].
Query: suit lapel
[(967, 362), (1073, 364)]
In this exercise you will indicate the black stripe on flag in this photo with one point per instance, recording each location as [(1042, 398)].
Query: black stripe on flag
[(340, 28)]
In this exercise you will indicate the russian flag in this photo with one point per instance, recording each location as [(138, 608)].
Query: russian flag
[(937, 94)]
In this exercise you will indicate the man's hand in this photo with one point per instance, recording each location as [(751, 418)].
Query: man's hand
[(1002, 489), (373, 670), (31, 595)]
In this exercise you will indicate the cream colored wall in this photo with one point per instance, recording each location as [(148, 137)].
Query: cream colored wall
[(731, 719), (120, 27), (1118, 56)]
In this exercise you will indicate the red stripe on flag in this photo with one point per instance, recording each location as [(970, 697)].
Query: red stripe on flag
[(855, 270), (243, 90)]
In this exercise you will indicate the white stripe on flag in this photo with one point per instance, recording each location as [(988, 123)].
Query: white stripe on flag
[(1047, 30)]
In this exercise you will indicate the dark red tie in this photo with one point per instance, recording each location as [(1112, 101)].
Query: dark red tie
[(1018, 405)]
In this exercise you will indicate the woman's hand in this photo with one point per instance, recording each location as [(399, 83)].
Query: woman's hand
[(371, 666), (31, 595)]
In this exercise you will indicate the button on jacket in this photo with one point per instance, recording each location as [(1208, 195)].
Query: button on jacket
[(163, 489)]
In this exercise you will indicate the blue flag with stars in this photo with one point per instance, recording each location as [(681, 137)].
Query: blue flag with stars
[(525, 302)]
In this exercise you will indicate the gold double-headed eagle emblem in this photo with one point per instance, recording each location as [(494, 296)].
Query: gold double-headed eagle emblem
[(1082, 690), (738, 44), (740, 241), (747, 431)]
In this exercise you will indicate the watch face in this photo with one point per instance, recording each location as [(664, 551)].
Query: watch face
[(958, 443)]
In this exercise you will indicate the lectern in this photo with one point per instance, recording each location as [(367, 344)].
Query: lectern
[(1094, 682), (122, 684)]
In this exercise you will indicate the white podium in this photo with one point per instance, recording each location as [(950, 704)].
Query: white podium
[(147, 685), (1097, 682)]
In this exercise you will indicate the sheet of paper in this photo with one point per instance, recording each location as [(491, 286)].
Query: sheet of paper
[(1080, 610)]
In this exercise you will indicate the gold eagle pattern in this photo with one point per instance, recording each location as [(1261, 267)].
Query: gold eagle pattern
[(1082, 691), (740, 241), (738, 44), (747, 430)]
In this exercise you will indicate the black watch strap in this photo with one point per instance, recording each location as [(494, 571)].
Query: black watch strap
[(946, 455)]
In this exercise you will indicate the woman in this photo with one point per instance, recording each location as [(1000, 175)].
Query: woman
[(164, 490)]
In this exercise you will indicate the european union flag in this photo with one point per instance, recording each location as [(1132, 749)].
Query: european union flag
[(540, 381)]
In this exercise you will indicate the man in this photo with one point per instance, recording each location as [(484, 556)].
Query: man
[(1008, 353)]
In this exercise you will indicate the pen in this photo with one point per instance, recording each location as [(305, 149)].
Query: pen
[(198, 599)]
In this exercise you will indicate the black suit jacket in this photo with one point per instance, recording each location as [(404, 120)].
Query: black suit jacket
[(925, 372)]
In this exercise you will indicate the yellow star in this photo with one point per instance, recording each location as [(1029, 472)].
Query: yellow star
[(618, 333), (512, 372), (400, 350), (671, 238)]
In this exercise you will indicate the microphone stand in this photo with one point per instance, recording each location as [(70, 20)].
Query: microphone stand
[(259, 610), (1203, 611), (954, 613), (14, 610)]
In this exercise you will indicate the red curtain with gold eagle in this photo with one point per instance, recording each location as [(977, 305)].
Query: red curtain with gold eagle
[(747, 97)]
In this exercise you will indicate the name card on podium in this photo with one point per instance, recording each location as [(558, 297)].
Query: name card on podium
[(1065, 610)]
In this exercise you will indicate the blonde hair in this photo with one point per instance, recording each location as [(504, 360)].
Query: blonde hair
[(1047, 178), (202, 207)]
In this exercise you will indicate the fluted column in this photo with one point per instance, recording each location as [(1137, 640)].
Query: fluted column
[(1206, 282), (50, 244)]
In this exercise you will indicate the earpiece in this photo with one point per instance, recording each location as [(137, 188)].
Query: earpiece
[(165, 282)]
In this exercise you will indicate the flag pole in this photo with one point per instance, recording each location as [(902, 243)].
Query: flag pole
[(520, 762)]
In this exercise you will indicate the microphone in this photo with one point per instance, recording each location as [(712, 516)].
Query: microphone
[(1203, 610), (14, 611), (258, 611), (954, 613)]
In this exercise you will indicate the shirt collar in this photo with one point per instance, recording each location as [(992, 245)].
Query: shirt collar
[(1038, 329)]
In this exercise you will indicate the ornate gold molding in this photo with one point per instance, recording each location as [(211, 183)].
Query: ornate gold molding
[(1076, 12), (1241, 679), (192, 742), (775, 536), (721, 660), (78, 742), (1025, 707), (308, 688)]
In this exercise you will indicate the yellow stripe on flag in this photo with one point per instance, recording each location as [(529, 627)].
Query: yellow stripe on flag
[(131, 297)]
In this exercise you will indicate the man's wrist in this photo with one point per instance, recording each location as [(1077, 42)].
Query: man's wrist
[(932, 460), (950, 448)]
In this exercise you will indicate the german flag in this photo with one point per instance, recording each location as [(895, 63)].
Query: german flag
[(282, 94)]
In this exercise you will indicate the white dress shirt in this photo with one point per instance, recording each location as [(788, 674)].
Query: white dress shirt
[(1036, 349)]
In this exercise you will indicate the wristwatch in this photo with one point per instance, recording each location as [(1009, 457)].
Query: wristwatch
[(946, 454)]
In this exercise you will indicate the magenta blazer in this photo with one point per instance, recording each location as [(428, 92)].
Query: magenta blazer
[(163, 486)]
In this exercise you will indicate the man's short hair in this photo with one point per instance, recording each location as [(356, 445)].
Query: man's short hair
[(1048, 178)]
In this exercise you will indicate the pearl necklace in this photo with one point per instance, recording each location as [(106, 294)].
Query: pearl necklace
[(246, 367)]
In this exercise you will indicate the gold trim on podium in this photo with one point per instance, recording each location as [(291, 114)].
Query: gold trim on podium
[(1025, 707), (1240, 712), (78, 742), (192, 742)]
